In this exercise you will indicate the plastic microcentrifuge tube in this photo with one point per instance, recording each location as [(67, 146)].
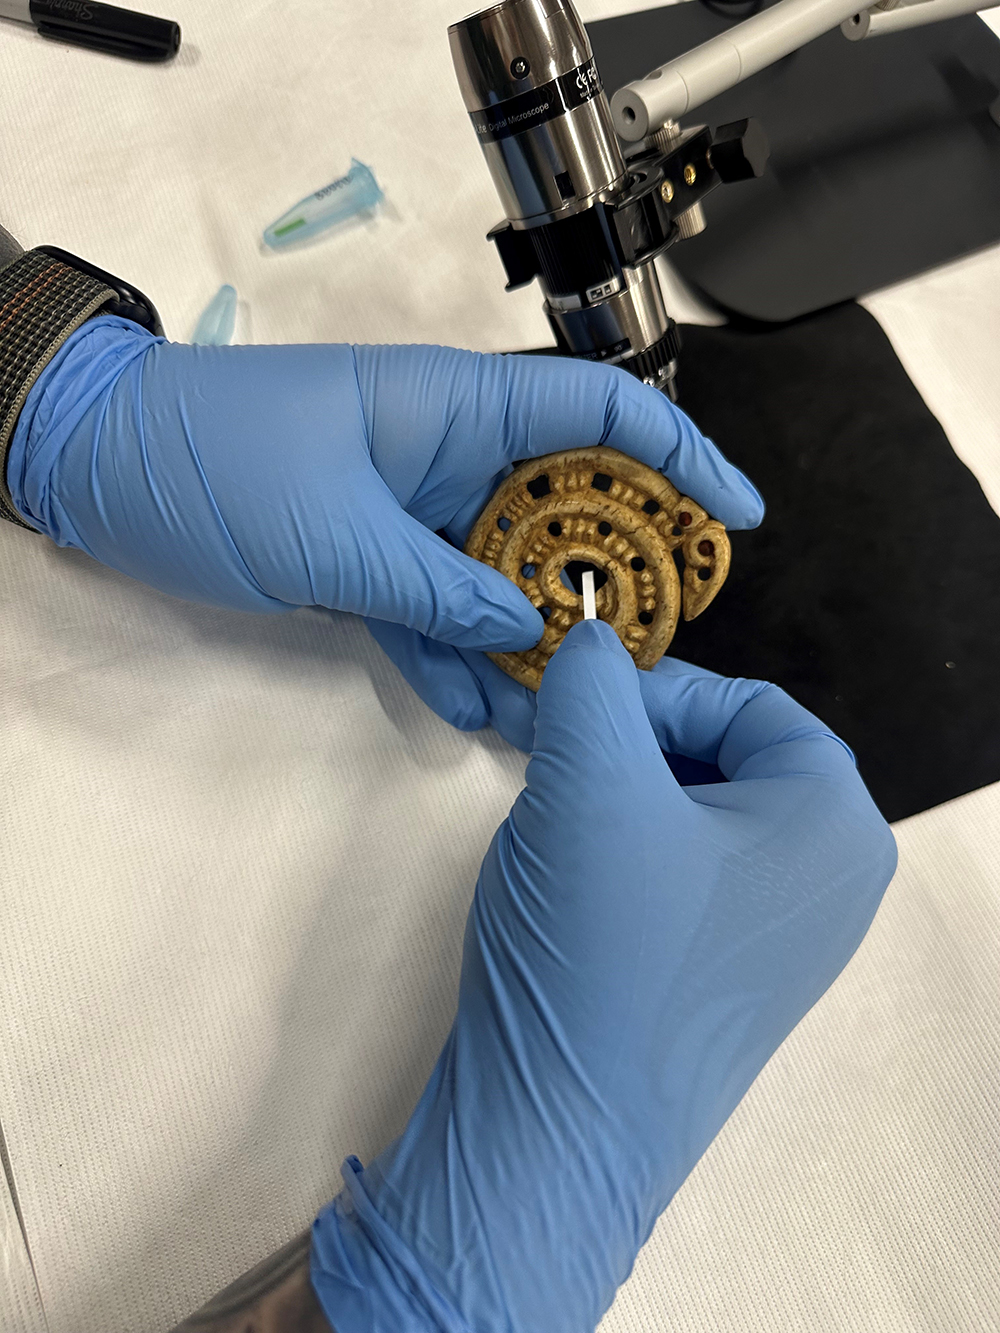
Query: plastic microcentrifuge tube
[(218, 320), (357, 192)]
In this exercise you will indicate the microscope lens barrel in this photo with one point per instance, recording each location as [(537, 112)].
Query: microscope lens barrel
[(532, 90), (534, 96)]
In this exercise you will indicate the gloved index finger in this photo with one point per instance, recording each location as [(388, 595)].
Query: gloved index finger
[(555, 403), (593, 738), (748, 728)]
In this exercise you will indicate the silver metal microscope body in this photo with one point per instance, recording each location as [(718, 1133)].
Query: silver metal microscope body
[(587, 224), (587, 218), (530, 85)]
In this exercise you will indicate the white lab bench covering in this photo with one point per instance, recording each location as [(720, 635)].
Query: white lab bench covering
[(236, 853)]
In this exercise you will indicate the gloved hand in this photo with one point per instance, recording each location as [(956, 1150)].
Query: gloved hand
[(461, 685), (270, 477), (634, 954)]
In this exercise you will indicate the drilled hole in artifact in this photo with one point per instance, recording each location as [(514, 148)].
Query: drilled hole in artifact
[(555, 529), (675, 531), (539, 487), (545, 612), (572, 575), (604, 529), (645, 617), (527, 571), (503, 523), (601, 482), (637, 563), (704, 575), (651, 507)]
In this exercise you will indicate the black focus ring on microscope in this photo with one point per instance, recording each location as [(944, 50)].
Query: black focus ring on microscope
[(657, 365), (651, 364)]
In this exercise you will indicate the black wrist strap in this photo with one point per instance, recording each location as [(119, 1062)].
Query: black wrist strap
[(42, 301)]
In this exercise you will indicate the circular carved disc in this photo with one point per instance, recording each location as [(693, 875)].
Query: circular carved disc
[(598, 507)]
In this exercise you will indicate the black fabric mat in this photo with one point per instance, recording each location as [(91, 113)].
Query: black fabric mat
[(884, 160), (872, 590)]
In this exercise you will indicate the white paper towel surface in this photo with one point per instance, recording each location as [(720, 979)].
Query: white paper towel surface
[(238, 852)]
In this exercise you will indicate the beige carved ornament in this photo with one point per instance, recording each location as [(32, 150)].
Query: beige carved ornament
[(597, 507)]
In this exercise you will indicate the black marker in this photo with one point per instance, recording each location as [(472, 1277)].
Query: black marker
[(119, 32)]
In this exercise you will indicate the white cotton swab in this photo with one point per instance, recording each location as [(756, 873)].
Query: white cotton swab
[(589, 600)]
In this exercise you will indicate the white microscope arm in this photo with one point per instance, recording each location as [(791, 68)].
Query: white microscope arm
[(643, 107)]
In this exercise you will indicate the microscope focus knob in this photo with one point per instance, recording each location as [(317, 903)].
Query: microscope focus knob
[(740, 150)]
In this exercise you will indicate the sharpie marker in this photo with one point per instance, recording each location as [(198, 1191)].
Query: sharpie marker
[(118, 32)]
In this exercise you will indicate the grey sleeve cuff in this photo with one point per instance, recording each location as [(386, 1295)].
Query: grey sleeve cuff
[(9, 249), (42, 301)]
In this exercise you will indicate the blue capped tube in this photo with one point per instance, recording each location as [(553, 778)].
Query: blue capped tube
[(217, 321), (357, 192)]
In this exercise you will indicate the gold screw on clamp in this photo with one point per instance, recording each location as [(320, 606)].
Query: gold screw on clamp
[(667, 191), (690, 175)]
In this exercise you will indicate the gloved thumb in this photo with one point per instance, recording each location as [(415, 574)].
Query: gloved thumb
[(592, 735), (413, 577)]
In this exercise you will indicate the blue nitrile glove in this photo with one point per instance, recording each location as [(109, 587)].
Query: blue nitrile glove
[(634, 954), (269, 477), (469, 690), (461, 685)]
